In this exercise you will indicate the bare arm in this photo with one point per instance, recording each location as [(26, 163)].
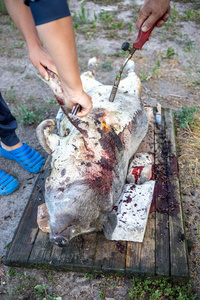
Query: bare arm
[(152, 11), (22, 17), (58, 37)]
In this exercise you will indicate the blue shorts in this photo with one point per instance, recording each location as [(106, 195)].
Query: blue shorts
[(45, 11)]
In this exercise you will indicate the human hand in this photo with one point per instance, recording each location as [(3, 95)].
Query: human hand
[(84, 100), (42, 60), (152, 11)]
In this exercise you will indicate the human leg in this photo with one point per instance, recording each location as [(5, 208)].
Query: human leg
[(11, 147)]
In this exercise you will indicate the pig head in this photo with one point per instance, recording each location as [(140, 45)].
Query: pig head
[(90, 157)]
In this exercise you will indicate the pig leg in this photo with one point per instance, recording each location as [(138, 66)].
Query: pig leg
[(131, 85), (87, 78)]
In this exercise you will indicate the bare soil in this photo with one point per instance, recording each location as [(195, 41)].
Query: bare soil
[(171, 80)]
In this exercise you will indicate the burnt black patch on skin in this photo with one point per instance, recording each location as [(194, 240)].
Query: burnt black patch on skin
[(117, 139), (63, 172), (105, 163), (98, 113), (88, 164), (61, 189)]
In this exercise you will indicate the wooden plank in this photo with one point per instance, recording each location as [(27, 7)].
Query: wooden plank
[(41, 251), (110, 255), (140, 257), (27, 230), (178, 255), (161, 203), (79, 254)]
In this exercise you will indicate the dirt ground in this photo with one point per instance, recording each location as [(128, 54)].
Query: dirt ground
[(169, 70)]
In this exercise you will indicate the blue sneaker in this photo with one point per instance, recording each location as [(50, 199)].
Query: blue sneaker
[(8, 183), (28, 158)]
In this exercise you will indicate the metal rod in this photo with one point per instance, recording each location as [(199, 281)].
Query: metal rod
[(118, 77)]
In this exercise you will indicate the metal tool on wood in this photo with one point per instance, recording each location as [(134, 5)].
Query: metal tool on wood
[(137, 45)]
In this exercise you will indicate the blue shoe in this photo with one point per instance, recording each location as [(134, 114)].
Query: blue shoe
[(28, 158), (8, 183)]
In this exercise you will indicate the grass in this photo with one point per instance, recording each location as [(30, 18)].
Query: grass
[(163, 288), (28, 115), (101, 294), (170, 52), (174, 16), (188, 132), (106, 66), (24, 284), (155, 70), (191, 15), (82, 17), (3, 9), (104, 21), (185, 41), (186, 116), (10, 94)]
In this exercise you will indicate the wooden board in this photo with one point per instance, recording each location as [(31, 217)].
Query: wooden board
[(163, 251)]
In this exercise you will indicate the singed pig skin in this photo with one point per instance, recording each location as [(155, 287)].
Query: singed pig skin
[(89, 165)]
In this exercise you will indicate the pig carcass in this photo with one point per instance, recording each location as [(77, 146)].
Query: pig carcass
[(90, 156)]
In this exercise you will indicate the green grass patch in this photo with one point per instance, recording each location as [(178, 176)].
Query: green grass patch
[(164, 288), (191, 15), (170, 52), (186, 116), (185, 41), (106, 66), (27, 115), (3, 9)]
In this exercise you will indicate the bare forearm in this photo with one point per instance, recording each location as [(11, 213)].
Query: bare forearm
[(58, 37), (23, 19)]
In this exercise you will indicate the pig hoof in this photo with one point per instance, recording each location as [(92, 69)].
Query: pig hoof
[(59, 241)]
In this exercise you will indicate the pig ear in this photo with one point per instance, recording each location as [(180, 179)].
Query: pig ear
[(47, 139)]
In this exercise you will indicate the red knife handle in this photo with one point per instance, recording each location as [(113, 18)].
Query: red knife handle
[(143, 37)]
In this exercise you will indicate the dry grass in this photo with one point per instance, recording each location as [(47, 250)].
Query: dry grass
[(188, 141)]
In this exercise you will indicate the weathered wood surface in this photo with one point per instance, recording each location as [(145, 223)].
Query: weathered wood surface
[(161, 202), (178, 257), (163, 251)]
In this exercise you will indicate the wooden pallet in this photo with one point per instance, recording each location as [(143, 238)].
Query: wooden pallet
[(163, 251)]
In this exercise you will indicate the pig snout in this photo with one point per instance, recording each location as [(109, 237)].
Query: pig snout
[(59, 241)]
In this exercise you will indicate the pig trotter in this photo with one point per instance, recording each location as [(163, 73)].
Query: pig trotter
[(59, 241)]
